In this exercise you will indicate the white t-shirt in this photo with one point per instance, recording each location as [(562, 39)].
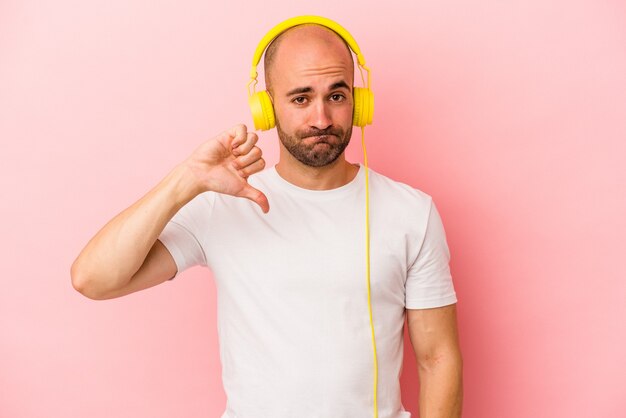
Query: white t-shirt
[(293, 318)]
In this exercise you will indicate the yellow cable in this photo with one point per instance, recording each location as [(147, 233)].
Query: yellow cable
[(367, 251)]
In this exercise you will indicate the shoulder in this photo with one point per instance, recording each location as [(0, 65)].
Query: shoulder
[(398, 193)]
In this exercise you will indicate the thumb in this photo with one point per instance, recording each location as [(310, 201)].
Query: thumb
[(256, 196)]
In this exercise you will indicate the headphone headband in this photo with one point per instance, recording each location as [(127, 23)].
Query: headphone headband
[(261, 102), (300, 20)]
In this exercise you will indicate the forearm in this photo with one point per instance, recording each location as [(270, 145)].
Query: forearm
[(118, 250), (441, 388)]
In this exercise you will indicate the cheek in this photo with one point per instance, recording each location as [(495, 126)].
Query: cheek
[(345, 113), (288, 117)]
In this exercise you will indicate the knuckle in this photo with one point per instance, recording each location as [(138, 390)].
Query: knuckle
[(240, 130)]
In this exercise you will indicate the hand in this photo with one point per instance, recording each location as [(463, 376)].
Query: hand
[(223, 164)]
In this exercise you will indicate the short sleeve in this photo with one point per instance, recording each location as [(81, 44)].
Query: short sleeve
[(183, 234), (429, 282)]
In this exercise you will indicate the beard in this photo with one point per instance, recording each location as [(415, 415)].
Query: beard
[(316, 147)]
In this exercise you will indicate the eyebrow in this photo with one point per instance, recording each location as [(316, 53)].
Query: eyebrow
[(340, 84), (300, 90)]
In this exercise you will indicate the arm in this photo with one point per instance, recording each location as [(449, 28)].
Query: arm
[(434, 336), (125, 255)]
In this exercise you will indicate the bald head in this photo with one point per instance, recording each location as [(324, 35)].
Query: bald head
[(302, 38)]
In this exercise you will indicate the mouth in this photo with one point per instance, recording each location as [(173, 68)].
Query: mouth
[(319, 139)]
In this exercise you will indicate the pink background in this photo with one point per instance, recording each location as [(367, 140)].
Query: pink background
[(512, 115)]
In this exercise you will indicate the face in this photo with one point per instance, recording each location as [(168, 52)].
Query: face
[(311, 89)]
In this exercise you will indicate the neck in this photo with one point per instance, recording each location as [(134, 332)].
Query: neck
[(337, 174)]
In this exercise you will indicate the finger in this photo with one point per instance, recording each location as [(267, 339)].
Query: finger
[(247, 159), (246, 146), (255, 167), (238, 133), (257, 197)]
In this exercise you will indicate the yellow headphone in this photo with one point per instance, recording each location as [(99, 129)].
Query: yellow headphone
[(264, 119), (260, 102)]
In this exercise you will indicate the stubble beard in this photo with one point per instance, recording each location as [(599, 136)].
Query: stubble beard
[(319, 153)]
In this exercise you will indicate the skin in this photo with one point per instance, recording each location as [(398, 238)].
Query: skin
[(125, 255), (310, 79), (434, 336)]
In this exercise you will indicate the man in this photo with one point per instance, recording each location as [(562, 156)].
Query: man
[(292, 307)]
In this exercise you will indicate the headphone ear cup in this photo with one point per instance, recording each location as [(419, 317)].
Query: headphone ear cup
[(363, 106), (262, 111)]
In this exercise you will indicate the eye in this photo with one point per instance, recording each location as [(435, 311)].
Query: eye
[(299, 100), (337, 97)]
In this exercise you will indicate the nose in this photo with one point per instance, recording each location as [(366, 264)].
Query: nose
[(320, 117)]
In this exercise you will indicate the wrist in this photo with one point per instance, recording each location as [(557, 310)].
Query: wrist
[(182, 185)]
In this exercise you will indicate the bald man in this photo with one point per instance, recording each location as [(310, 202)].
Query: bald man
[(293, 322)]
